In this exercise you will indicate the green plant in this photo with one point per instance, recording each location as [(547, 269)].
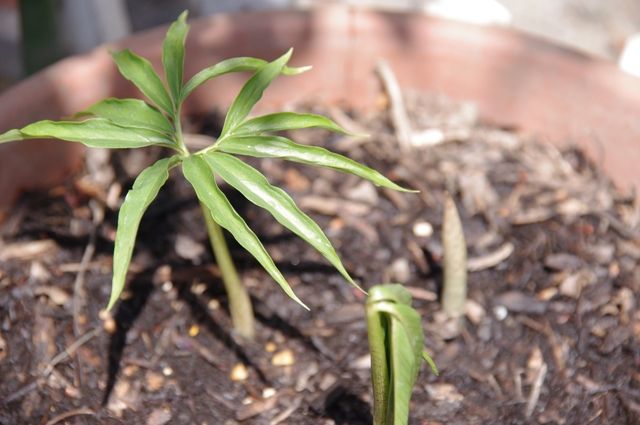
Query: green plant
[(132, 123), (396, 343)]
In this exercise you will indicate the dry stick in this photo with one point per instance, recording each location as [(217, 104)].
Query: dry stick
[(79, 292), (284, 415), (535, 391), (399, 115), (75, 412), (491, 259)]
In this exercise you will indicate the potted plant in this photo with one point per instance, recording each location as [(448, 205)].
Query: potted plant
[(417, 64)]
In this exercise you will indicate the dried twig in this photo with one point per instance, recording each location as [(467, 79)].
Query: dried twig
[(399, 114), (71, 413), (284, 415), (535, 391), (491, 259)]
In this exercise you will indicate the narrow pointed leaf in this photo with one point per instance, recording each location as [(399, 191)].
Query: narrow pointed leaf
[(140, 72), (95, 133), (173, 55), (13, 136), (198, 173), (144, 191), (252, 92), (255, 187), (232, 65), (406, 340), (280, 147), (131, 113), (432, 364), (286, 121)]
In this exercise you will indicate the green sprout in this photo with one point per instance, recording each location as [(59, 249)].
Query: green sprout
[(133, 123), (396, 343)]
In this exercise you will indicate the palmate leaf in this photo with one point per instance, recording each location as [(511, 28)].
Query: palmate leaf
[(94, 132), (139, 71), (252, 92), (232, 65), (396, 341), (133, 113), (286, 121), (280, 147), (198, 173), (173, 55), (144, 191), (255, 187)]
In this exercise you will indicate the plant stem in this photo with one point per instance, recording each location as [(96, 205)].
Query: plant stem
[(377, 330), (239, 301)]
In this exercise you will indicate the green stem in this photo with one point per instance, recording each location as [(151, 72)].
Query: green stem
[(377, 329), (239, 301)]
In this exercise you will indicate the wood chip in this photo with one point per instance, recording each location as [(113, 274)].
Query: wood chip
[(256, 408), (520, 302), (24, 251)]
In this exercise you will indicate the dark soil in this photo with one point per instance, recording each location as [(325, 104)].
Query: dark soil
[(551, 333)]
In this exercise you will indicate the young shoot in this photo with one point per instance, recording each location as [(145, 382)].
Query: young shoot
[(133, 123)]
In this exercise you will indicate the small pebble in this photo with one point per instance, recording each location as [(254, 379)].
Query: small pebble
[(422, 229), (167, 286), (198, 288), (167, 371), (213, 304), (474, 311), (194, 330), (154, 381), (239, 373), (268, 392), (283, 358), (400, 271), (270, 347), (500, 312)]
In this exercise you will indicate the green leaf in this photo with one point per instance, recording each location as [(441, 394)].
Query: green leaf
[(173, 55), (198, 173), (406, 343), (255, 187), (396, 341), (280, 147), (140, 72), (95, 133), (13, 136), (251, 93), (144, 191), (232, 65), (286, 121), (131, 113)]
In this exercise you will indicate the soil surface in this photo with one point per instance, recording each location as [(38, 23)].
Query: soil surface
[(552, 326)]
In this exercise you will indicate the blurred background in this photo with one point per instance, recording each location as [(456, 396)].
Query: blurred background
[(34, 33)]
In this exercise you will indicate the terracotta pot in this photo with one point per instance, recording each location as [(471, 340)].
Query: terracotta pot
[(516, 80)]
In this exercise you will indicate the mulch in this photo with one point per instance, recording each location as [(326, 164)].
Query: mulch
[(551, 328)]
